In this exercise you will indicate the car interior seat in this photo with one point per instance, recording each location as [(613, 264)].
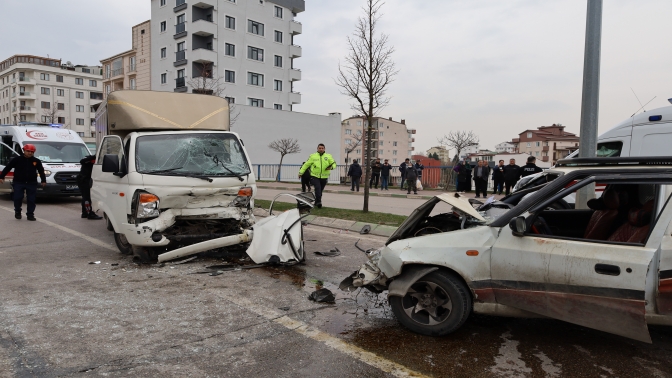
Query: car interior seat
[(638, 226), (606, 210)]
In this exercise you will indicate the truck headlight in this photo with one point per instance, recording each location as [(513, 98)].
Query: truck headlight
[(47, 173), (244, 197), (148, 206)]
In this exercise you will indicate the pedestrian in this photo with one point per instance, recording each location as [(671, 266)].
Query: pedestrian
[(402, 170), (419, 167), (462, 177), (498, 178), (320, 164), (355, 174), (481, 177), (305, 180), (375, 173), (26, 168), (385, 175), (530, 168), (412, 178), (511, 175), (84, 183)]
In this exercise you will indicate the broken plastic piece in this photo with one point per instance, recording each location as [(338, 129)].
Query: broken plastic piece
[(332, 253), (365, 230), (94, 262), (184, 261), (217, 273), (322, 296)]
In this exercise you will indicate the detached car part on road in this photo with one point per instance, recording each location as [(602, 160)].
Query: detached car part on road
[(607, 267)]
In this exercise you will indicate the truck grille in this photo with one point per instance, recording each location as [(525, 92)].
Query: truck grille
[(66, 178)]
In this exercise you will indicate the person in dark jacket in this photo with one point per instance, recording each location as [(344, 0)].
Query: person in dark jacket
[(355, 174), (402, 170), (305, 179), (462, 177), (511, 175), (84, 183), (26, 168), (419, 167), (530, 168), (375, 173), (385, 175), (481, 177), (412, 178), (498, 178)]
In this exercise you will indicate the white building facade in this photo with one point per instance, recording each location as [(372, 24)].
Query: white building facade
[(390, 140), (38, 89), (505, 147), (247, 46)]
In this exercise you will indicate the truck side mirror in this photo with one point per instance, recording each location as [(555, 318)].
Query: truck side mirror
[(518, 226), (111, 163)]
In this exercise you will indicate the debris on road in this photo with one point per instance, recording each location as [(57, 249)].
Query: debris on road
[(365, 230), (94, 262), (322, 296), (184, 261), (332, 253)]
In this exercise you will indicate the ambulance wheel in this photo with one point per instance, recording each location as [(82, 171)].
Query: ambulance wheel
[(124, 247), (436, 305)]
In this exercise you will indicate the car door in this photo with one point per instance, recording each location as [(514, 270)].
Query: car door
[(108, 192), (664, 290), (6, 154), (651, 139), (596, 284)]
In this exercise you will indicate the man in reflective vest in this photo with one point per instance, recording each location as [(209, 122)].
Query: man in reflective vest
[(320, 164)]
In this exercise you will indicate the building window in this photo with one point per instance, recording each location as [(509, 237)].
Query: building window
[(231, 100), (380, 152), (277, 85), (80, 121), (256, 102), (277, 106), (230, 49), (163, 3), (381, 142), (278, 36), (79, 108), (61, 120), (79, 94), (229, 76), (93, 83), (60, 106), (394, 152), (180, 46), (278, 61), (163, 26), (22, 118), (95, 95), (59, 78), (255, 27), (79, 81), (381, 134), (394, 144), (164, 78), (93, 122), (180, 73), (45, 91), (529, 135), (230, 22), (163, 52), (44, 76), (278, 12), (255, 79), (348, 131), (255, 53), (46, 105)]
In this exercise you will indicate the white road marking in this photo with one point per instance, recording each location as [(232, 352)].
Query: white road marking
[(299, 327), (71, 232)]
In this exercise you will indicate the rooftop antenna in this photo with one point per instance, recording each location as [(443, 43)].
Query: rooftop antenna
[(640, 103)]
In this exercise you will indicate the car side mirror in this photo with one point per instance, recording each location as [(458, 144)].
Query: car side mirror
[(111, 163), (518, 225)]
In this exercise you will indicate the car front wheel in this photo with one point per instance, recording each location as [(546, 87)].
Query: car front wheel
[(436, 305), (124, 247)]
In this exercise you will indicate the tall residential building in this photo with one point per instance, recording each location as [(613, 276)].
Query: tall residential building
[(547, 143), (38, 89), (442, 152), (245, 46), (390, 139), (130, 69)]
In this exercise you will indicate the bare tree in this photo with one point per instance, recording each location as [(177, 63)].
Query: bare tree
[(51, 114), (209, 83), (284, 147), (366, 74), (357, 138), (458, 140)]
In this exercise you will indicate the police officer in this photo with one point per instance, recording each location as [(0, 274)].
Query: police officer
[(84, 183), (26, 168), (530, 168)]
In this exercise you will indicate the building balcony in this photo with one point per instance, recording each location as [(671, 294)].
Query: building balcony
[(544, 148), (27, 96), (203, 28), (117, 72), (294, 51), (205, 3), (26, 80), (132, 68), (26, 110), (180, 5), (180, 58), (203, 55), (180, 30), (294, 75), (295, 28), (294, 98), (181, 85)]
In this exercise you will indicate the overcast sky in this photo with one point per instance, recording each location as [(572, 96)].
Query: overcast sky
[(495, 67)]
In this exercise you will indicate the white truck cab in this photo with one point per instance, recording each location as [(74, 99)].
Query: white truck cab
[(59, 149), (168, 172)]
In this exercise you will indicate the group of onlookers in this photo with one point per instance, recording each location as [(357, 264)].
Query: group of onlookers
[(504, 176), (380, 174)]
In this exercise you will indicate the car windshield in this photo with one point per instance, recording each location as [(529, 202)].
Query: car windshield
[(202, 154), (58, 152)]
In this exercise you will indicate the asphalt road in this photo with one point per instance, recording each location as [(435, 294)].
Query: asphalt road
[(62, 316)]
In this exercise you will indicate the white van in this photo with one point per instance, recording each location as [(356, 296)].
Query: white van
[(60, 151)]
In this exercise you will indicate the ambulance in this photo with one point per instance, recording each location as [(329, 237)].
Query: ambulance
[(59, 149)]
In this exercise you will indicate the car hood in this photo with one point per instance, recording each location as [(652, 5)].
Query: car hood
[(461, 203)]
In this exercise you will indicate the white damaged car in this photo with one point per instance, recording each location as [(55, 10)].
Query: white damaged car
[(607, 266)]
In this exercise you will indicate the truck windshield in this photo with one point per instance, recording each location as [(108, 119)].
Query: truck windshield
[(204, 154), (58, 152)]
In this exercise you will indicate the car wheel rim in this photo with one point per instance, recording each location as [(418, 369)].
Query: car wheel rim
[(427, 303)]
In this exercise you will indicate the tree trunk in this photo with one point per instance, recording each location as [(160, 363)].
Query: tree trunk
[(280, 168)]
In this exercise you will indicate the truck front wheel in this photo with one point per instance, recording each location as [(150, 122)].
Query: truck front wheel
[(436, 305), (124, 247)]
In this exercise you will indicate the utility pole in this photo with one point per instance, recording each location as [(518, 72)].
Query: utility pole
[(591, 93)]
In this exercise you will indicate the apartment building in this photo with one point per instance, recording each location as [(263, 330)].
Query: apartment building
[(390, 139), (243, 48), (547, 143), (39, 89), (130, 69), (505, 147), (442, 152)]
